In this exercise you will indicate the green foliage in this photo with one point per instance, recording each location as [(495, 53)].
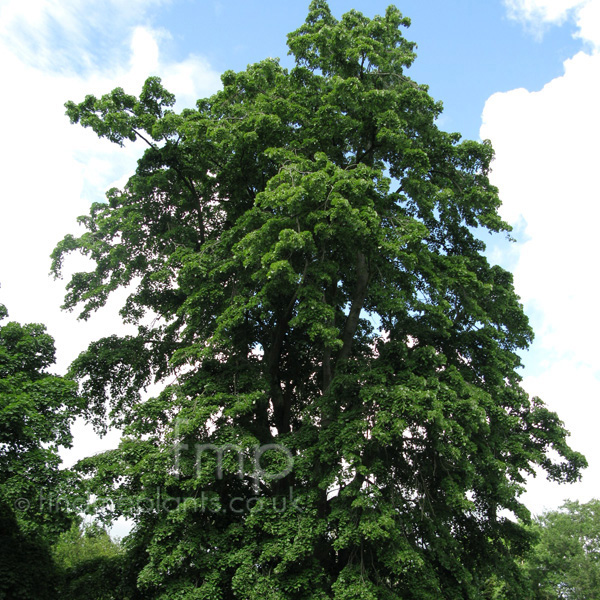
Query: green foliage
[(26, 567), (306, 240), (90, 564), (36, 410), (82, 544), (565, 562)]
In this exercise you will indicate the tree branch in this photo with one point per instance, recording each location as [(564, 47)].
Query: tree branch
[(358, 300), (273, 357)]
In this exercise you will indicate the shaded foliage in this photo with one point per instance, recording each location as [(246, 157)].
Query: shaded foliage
[(26, 567), (36, 410)]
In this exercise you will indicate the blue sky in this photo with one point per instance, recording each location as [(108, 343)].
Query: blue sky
[(467, 50), (524, 73)]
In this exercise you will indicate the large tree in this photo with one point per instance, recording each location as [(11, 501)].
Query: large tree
[(304, 261)]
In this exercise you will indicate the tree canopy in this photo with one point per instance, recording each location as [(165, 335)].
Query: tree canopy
[(565, 561), (304, 258), (89, 563)]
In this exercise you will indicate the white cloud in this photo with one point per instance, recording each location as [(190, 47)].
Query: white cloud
[(546, 161), (144, 51), (575, 391), (552, 11), (588, 22), (538, 14), (70, 34), (547, 157), (52, 170)]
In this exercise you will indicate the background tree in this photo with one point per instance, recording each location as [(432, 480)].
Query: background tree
[(90, 564), (306, 274), (565, 562), (36, 410)]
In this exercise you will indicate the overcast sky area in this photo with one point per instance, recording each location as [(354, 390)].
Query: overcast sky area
[(523, 73)]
